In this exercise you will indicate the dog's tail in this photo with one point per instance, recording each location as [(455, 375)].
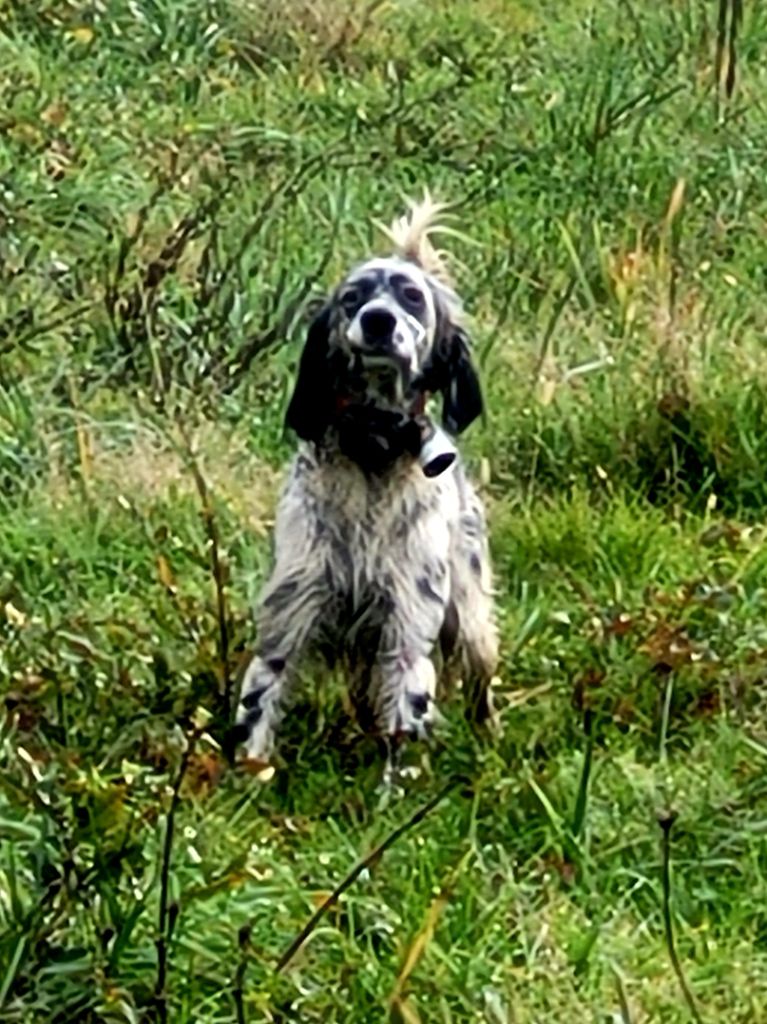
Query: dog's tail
[(412, 233)]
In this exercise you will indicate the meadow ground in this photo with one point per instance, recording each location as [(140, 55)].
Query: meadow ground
[(177, 183)]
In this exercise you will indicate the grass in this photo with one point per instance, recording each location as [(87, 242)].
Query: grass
[(177, 184)]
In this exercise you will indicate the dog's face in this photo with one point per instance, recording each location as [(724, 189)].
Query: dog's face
[(388, 333), (385, 315)]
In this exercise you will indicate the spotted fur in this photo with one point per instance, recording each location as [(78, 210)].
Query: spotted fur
[(374, 560)]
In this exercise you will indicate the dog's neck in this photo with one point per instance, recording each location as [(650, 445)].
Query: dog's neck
[(374, 417), (373, 434), (415, 405)]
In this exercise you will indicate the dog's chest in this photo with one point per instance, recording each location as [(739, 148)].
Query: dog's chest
[(379, 526)]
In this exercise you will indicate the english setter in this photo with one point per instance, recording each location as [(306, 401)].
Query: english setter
[(380, 548)]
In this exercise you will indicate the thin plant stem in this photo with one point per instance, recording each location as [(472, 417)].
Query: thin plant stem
[(357, 870), (167, 916), (666, 824)]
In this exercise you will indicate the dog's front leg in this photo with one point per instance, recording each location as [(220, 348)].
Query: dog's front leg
[(406, 676), (292, 606)]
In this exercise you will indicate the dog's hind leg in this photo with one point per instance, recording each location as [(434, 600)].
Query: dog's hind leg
[(472, 593)]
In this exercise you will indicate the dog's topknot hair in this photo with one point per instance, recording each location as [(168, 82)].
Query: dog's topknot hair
[(411, 235)]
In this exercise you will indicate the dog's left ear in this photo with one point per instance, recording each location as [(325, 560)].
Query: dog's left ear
[(452, 373), (462, 397)]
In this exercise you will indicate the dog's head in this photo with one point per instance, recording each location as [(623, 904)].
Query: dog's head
[(390, 332)]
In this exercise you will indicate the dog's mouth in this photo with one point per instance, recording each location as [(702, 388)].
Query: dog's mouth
[(389, 377), (378, 352), (380, 364)]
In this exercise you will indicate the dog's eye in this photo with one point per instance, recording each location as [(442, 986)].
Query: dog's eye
[(350, 299), (412, 295)]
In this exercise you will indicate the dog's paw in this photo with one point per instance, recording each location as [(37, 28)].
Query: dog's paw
[(251, 740), (417, 715), (259, 745)]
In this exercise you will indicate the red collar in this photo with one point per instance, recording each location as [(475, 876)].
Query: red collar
[(418, 407)]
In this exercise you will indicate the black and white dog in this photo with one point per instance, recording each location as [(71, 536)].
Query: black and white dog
[(381, 552)]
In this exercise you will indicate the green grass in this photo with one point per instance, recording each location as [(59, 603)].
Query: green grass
[(177, 183)]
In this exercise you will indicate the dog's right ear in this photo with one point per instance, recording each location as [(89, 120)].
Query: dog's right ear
[(311, 403)]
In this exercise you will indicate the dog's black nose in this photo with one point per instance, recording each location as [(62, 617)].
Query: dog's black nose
[(378, 326)]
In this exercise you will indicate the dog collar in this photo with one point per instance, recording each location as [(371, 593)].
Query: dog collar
[(418, 408)]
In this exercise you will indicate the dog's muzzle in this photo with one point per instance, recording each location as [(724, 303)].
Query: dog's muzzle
[(379, 333)]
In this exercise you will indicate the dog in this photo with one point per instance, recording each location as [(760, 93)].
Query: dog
[(380, 543)]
